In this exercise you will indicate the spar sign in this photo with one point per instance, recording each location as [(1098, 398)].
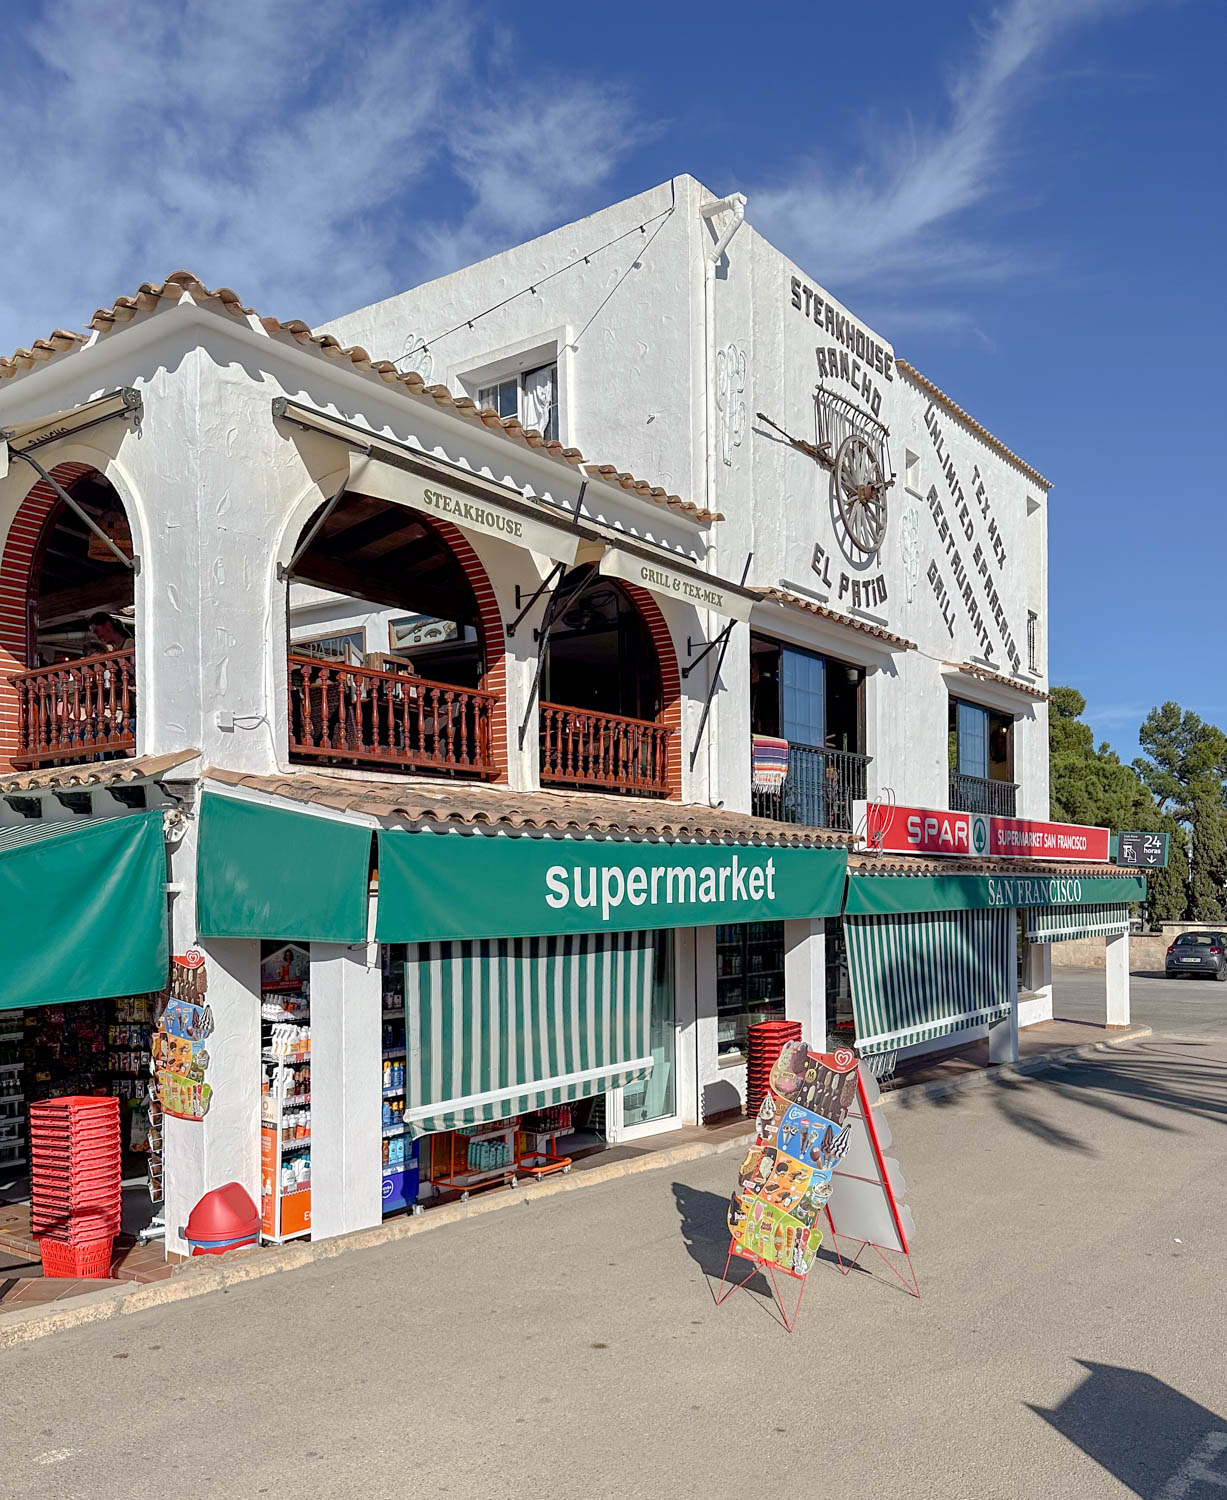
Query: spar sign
[(931, 830)]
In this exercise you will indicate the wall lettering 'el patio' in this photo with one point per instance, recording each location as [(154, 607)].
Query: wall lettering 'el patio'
[(856, 593)]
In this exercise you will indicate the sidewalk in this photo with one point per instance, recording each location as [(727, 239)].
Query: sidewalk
[(142, 1276)]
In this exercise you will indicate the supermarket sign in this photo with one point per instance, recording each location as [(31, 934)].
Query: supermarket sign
[(930, 830)]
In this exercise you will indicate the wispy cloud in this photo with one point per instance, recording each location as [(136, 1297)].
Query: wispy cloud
[(313, 157), (900, 216)]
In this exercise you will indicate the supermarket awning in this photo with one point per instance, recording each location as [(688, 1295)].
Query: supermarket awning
[(1062, 924), (268, 872), (877, 895), (929, 974), (500, 1028), (451, 886), (82, 910)]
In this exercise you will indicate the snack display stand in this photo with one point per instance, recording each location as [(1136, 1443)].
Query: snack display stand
[(285, 1104)]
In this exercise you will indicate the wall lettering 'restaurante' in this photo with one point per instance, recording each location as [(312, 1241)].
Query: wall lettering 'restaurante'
[(472, 513), (859, 354)]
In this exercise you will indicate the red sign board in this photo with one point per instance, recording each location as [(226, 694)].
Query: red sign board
[(931, 830)]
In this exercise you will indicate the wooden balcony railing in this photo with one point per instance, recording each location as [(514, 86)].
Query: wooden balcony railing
[(77, 710), (820, 789), (362, 717), (604, 751)]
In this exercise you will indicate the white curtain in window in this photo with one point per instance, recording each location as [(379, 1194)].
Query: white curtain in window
[(539, 397)]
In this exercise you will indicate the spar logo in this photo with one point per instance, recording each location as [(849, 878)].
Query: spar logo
[(979, 835)]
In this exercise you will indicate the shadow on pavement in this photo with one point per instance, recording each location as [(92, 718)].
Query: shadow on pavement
[(1156, 1084), (1147, 1434), (705, 1231)]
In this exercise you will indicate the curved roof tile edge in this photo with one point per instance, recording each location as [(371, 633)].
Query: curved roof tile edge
[(151, 296)]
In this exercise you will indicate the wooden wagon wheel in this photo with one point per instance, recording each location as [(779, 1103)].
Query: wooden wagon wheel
[(860, 491)]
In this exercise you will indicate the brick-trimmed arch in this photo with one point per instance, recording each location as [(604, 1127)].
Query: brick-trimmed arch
[(493, 636), (670, 681), (21, 548)]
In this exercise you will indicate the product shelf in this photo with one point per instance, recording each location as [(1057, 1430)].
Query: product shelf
[(394, 1093), (394, 1052), (393, 1130), (297, 1058), (490, 1132), (465, 1182), (299, 1143)]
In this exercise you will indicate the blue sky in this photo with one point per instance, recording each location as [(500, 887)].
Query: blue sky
[(1026, 198)]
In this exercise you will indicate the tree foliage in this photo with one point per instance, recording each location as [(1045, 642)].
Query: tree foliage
[(1176, 787)]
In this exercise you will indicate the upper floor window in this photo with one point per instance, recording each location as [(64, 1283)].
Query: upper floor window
[(981, 755), (531, 396), (1033, 640)]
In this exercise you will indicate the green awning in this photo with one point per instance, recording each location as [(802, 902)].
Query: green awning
[(926, 975), (83, 910), (263, 872), (439, 886), (502, 1027), (878, 895), (1056, 924)]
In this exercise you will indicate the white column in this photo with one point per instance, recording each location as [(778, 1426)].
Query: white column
[(346, 1103), (686, 1011), (1003, 1036), (720, 1089), (199, 1155), (805, 979), (1116, 966)]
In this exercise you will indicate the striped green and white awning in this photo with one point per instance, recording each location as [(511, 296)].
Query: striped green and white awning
[(501, 1027), (1062, 924), (928, 974)]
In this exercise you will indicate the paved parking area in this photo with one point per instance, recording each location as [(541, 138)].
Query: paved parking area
[(1180, 1007)]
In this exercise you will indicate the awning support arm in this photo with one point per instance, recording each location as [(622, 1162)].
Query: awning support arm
[(284, 570), (132, 563), (723, 639), (707, 650), (555, 573), (543, 641)]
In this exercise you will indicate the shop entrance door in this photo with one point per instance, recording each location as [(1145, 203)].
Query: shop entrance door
[(651, 1105)]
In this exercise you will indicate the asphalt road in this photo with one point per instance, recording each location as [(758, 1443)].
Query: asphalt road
[(1069, 1341), (1176, 1007)]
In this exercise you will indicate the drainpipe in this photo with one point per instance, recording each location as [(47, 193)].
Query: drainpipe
[(735, 204)]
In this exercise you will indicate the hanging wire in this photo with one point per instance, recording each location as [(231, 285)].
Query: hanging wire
[(640, 229)]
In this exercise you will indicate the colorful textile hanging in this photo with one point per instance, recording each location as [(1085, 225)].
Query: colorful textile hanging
[(769, 768)]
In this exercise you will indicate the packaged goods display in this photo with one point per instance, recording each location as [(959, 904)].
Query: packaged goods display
[(401, 1177), (285, 1093)]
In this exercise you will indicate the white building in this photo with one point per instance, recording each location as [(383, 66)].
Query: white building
[(378, 603)]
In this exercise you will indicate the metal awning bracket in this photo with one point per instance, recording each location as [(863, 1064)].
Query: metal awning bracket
[(524, 604), (543, 640), (132, 563), (285, 570), (721, 641)]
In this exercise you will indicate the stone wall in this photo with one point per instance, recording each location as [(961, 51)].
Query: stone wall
[(1146, 953)]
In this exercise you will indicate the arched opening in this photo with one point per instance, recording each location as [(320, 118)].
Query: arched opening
[(603, 694), (395, 645), (76, 697)]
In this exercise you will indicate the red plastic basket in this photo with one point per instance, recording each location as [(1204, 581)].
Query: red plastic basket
[(91, 1260)]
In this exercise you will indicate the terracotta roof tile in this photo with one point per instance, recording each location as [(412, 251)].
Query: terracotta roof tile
[(968, 420), (454, 804), (812, 607), (155, 294), (865, 863), (985, 674), (96, 773)]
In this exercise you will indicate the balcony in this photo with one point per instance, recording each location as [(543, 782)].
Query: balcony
[(819, 790), (360, 716), (605, 751), (979, 794), (77, 710)]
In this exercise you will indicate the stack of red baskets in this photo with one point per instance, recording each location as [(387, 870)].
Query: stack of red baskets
[(766, 1042), (75, 1191)]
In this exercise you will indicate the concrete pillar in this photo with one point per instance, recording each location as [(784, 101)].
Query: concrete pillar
[(720, 1088), (686, 1013), (1116, 968), (346, 1102), (198, 1155), (805, 980), (1003, 1035)]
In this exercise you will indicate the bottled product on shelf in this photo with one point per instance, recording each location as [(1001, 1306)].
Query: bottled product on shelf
[(285, 1103), (13, 1155)]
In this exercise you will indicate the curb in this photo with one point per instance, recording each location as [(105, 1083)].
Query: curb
[(197, 1279)]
